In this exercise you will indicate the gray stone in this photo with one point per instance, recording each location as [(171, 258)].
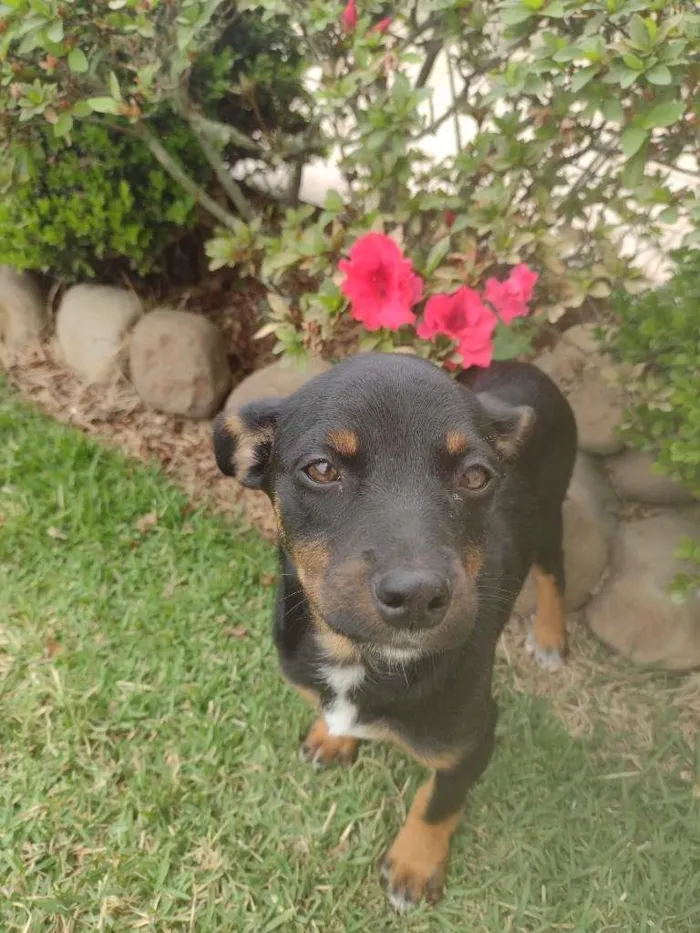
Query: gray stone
[(634, 612), (593, 386), (178, 363), (22, 309), (275, 379), (92, 324), (633, 477), (589, 527)]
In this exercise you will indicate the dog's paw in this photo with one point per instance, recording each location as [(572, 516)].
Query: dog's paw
[(549, 659), (414, 868), (321, 749)]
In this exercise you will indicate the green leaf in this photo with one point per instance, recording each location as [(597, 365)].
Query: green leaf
[(582, 77), (627, 78), (534, 85), (82, 109), (114, 86), (508, 343), (555, 10), (77, 62), (333, 203), (633, 62), (633, 172), (664, 114), (279, 307), (669, 216), (659, 74), (514, 15), (638, 32), (612, 110), (55, 31), (462, 223), (632, 141), (63, 125), (31, 41), (103, 105), (437, 254), (567, 54)]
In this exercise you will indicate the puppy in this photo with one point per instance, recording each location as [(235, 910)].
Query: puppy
[(411, 507)]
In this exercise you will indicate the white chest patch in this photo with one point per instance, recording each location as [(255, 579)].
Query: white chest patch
[(341, 713)]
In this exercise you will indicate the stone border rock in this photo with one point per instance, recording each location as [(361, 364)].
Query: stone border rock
[(22, 310), (620, 517), (92, 327)]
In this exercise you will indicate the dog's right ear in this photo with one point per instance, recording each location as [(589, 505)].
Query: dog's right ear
[(243, 440)]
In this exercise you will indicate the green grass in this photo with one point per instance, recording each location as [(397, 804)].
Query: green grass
[(149, 777)]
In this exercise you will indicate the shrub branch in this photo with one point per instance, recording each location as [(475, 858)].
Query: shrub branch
[(177, 172)]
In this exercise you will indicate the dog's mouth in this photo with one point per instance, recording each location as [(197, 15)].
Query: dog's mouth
[(375, 639), (397, 655)]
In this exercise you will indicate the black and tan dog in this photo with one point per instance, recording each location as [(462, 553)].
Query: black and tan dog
[(411, 508)]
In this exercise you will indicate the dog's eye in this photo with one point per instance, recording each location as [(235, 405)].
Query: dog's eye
[(475, 478), (322, 472)]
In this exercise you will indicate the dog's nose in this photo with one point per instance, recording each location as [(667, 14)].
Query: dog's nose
[(412, 598)]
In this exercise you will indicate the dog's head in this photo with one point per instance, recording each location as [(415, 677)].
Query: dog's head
[(385, 476)]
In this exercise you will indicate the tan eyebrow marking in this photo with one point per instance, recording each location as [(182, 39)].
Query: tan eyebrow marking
[(344, 441), (456, 442)]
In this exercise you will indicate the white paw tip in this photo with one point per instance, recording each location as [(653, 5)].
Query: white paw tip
[(549, 659)]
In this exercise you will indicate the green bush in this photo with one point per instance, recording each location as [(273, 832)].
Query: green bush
[(101, 206), (659, 334), (102, 163), (251, 78)]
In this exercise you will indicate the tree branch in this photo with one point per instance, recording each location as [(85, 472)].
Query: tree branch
[(433, 49), (226, 180), (453, 92), (176, 171), (223, 134), (294, 186), (451, 112)]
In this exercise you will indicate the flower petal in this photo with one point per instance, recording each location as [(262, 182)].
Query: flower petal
[(380, 283)]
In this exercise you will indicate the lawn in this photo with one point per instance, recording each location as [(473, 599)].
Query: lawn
[(149, 777)]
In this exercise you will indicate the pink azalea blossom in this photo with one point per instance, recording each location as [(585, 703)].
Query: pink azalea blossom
[(511, 298), (380, 283), (382, 26), (349, 18), (463, 317)]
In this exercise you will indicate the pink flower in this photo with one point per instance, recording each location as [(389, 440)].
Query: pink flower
[(465, 318), (380, 283), (382, 26), (510, 298), (349, 18)]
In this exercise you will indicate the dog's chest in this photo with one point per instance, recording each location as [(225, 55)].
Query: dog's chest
[(340, 712)]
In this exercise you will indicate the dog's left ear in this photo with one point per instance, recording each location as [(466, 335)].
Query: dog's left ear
[(243, 440), (509, 426)]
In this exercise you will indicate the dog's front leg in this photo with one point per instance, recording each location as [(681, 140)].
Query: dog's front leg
[(416, 864)]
